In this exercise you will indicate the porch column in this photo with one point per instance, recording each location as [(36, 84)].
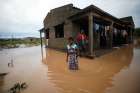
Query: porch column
[(41, 44), (90, 32), (45, 37), (111, 34), (131, 35)]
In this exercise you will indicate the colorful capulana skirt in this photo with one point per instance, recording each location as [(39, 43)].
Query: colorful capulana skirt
[(73, 62)]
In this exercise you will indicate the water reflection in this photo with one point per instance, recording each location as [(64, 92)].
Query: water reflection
[(105, 74), (127, 80), (94, 76), (27, 68)]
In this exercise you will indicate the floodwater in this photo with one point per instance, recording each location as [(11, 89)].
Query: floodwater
[(116, 72)]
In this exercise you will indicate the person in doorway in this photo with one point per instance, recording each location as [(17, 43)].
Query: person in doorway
[(125, 35), (82, 42), (72, 54)]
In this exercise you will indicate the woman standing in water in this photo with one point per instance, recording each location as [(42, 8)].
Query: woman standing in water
[(72, 54)]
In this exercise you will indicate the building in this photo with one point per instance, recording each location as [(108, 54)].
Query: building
[(102, 29)]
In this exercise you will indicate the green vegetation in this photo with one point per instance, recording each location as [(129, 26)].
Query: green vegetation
[(137, 37), (137, 32), (12, 43)]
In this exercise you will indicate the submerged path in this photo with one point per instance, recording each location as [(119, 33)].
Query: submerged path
[(116, 72)]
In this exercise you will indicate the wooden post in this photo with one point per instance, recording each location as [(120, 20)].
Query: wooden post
[(111, 35), (41, 45), (131, 35), (127, 38), (90, 24)]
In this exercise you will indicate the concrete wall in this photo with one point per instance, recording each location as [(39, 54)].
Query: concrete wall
[(58, 16), (59, 43), (51, 33), (68, 28)]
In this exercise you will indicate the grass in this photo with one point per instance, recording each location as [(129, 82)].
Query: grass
[(11, 43)]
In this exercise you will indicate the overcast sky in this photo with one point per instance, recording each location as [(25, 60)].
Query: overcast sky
[(26, 16)]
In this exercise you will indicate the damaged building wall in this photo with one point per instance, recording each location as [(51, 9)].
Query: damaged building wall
[(56, 17), (73, 20)]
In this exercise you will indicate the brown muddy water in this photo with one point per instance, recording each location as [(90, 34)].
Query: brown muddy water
[(116, 72)]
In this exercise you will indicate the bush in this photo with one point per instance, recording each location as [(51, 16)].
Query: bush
[(14, 42), (137, 32)]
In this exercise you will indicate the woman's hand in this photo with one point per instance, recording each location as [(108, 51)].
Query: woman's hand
[(66, 59)]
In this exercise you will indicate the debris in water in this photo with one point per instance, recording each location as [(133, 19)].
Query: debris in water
[(18, 87), (3, 74), (11, 64)]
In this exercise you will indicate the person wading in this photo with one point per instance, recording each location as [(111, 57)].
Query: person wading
[(72, 54)]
